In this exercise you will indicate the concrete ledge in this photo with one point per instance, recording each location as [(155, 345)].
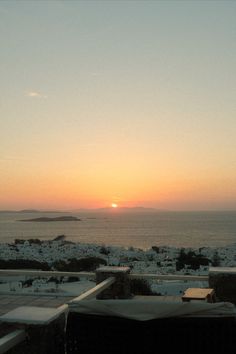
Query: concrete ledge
[(222, 270), (32, 315)]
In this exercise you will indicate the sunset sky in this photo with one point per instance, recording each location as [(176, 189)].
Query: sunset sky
[(124, 102)]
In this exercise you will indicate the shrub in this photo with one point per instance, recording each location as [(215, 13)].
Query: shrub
[(27, 283), (31, 241), (140, 287), (77, 265), (23, 264), (104, 250), (73, 279), (34, 241), (18, 241), (53, 280), (61, 266), (191, 259), (215, 260), (59, 238)]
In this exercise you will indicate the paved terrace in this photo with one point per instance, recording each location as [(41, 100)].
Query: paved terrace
[(11, 302)]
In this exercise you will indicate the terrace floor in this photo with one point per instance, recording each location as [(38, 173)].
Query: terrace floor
[(11, 302)]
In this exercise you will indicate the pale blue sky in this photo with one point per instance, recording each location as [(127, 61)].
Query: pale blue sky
[(143, 87)]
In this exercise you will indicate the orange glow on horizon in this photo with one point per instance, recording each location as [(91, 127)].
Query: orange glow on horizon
[(55, 189), (114, 205)]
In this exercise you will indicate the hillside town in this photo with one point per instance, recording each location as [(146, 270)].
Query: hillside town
[(62, 255)]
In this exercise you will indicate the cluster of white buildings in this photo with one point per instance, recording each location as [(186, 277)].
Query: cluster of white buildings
[(161, 260), (156, 259)]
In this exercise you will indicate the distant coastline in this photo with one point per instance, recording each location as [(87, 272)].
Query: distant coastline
[(119, 210), (47, 219), (92, 210)]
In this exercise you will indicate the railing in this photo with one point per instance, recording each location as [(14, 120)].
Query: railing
[(91, 293), (10, 340), (169, 277), (91, 275), (109, 282), (46, 273), (15, 337)]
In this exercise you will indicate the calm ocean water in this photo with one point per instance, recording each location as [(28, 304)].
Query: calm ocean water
[(180, 229)]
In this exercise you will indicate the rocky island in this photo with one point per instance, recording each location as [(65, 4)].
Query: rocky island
[(59, 218)]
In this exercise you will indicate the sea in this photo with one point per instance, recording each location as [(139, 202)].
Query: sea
[(138, 230)]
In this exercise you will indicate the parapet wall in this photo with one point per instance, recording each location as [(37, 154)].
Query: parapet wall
[(223, 280), (43, 339)]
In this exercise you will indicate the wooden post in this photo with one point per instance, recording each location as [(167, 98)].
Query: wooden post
[(121, 288), (223, 280)]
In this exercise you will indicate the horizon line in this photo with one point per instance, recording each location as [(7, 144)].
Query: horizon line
[(114, 210)]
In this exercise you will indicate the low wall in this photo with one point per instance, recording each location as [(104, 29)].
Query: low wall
[(223, 281), (43, 339)]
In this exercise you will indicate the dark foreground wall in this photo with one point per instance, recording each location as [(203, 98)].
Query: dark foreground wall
[(88, 334)]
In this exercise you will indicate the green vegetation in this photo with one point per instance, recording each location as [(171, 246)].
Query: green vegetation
[(140, 287), (156, 249), (104, 250), (32, 241), (191, 259), (77, 265), (23, 264)]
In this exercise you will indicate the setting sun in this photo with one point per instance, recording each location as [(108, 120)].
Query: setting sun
[(114, 205)]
